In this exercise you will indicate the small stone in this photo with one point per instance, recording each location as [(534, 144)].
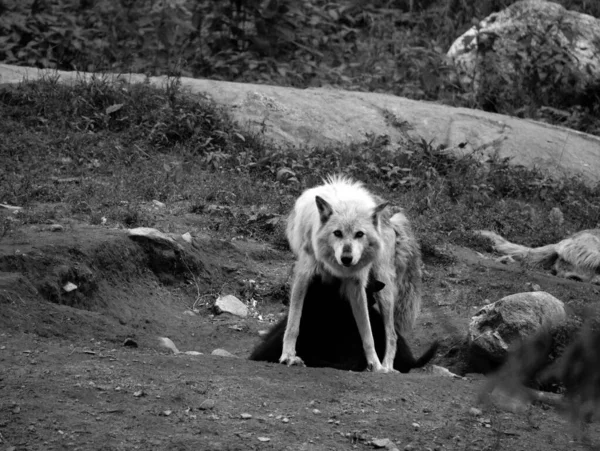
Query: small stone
[(382, 443), (475, 411), (222, 353), (138, 393), (231, 304), (152, 234), (56, 228), (264, 439), (187, 237), (158, 204), (69, 286), (416, 426), (316, 411), (245, 416), (533, 286), (441, 371), (10, 207), (207, 404)]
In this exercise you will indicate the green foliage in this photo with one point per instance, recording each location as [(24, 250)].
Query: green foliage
[(397, 47), (543, 83)]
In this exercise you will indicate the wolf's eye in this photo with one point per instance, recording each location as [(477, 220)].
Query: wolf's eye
[(359, 234), (338, 233)]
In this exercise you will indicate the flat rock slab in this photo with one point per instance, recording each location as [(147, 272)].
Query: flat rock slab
[(301, 117)]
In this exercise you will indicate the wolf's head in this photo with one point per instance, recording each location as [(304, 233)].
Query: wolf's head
[(580, 273), (349, 236)]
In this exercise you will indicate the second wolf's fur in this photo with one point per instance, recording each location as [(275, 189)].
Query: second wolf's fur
[(576, 257), (329, 336), (341, 230)]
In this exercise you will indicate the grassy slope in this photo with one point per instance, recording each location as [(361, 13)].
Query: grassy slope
[(103, 153)]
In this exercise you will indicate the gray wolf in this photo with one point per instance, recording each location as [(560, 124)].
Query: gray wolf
[(340, 230), (329, 336), (576, 257)]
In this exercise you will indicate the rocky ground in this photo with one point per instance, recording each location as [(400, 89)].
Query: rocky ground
[(84, 369)]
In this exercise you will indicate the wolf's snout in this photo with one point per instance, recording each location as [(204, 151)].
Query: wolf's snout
[(346, 261)]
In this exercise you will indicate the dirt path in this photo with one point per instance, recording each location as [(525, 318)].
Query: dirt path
[(67, 381)]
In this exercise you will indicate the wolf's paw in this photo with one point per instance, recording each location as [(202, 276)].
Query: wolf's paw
[(291, 360), (376, 367)]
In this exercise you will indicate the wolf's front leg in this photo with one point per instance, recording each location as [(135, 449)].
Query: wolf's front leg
[(386, 307), (300, 284), (354, 290)]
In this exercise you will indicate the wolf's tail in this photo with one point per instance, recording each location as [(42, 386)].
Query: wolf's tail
[(271, 346), (545, 255), (407, 264), (405, 361)]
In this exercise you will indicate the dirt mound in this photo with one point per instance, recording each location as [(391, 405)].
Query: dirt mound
[(98, 282)]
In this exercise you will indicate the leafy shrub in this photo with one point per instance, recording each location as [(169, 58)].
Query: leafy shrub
[(397, 47)]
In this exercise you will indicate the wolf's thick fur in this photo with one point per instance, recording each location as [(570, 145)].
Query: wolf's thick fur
[(329, 336), (576, 257), (341, 230)]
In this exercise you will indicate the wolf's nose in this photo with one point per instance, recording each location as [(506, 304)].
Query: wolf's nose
[(346, 261)]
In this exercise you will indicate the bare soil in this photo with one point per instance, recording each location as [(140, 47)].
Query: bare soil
[(68, 381)]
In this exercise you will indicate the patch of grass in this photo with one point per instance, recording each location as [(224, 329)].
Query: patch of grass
[(104, 152)]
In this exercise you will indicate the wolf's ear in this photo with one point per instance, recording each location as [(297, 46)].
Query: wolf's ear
[(377, 212), (325, 210)]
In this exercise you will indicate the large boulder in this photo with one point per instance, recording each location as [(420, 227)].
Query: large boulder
[(531, 37), (498, 326)]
